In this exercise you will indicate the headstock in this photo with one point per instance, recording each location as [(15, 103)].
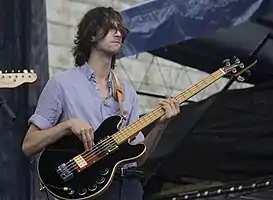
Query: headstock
[(14, 79), (235, 67)]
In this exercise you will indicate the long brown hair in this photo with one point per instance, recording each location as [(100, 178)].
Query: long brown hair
[(96, 23)]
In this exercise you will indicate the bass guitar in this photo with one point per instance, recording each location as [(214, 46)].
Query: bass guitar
[(69, 172)]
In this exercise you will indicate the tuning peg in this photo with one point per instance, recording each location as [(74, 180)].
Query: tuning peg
[(240, 78), (6, 71), (241, 65), (31, 71), (0, 72), (234, 70), (237, 61), (12, 71), (25, 71), (226, 62)]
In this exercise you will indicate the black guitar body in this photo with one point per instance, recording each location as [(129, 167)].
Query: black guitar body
[(92, 181)]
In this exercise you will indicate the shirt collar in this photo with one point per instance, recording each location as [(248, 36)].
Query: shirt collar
[(90, 74)]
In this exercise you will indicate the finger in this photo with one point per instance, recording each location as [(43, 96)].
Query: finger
[(177, 109), (84, 139), (91, 131), (177, 106), (166, 102), (167, 108), (89, 139), (170, 102), (174, 105)]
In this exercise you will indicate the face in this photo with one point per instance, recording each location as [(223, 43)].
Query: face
[(112, 42)]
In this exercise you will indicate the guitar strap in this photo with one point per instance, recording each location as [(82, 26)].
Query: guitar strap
[(118, 93)]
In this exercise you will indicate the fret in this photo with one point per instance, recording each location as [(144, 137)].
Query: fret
[(134, 128)]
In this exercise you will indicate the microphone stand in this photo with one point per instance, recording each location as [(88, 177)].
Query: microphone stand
[(7, 109)]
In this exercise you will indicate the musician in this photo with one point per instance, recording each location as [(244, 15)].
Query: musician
[(77, 100)]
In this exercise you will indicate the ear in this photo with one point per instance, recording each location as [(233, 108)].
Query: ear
[(93, 39)]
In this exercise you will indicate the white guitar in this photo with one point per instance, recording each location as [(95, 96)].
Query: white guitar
[(15, 79)]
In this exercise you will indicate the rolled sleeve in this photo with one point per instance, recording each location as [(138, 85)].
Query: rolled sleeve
[(49, 106)]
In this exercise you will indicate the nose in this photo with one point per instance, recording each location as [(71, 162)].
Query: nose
[(117, 33)]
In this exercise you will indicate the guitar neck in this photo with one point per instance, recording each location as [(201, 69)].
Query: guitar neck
[(134, 128)]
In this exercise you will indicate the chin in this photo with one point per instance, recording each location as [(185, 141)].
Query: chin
[(113, 51)]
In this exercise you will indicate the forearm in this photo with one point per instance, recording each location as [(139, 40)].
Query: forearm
[(37, 140), (152, 140)]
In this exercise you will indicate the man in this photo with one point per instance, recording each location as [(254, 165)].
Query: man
[(79, 99)]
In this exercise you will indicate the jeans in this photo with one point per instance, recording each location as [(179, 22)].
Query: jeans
[(124, 189)]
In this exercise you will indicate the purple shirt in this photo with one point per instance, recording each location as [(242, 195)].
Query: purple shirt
[(74, 93)]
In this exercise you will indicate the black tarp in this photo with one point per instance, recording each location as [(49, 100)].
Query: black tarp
[(23, 45), (158, 23), (204, 53), (201, 33), (226, 137)]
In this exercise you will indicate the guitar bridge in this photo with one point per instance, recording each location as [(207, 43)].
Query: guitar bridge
[(65, 173)]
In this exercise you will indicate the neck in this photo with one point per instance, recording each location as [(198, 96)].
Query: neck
[(100, 63)]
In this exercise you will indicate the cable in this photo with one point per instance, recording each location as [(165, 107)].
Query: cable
[(43, 188), (47, 196)]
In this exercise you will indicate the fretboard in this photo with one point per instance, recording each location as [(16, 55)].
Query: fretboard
[(134, 128)]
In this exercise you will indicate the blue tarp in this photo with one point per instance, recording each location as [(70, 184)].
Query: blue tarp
[(159, 23)]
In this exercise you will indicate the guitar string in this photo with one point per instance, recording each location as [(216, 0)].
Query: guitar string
[(105, 143), (109, 142), (95, 153), (90, 154), (71, 164), (96, 148), (188, 91), (219, 74)]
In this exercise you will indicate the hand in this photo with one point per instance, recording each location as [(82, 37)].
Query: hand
[(83, 131), (171, 108)]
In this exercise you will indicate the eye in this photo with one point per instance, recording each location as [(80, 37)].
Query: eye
[(124, 31), (113, 27)]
